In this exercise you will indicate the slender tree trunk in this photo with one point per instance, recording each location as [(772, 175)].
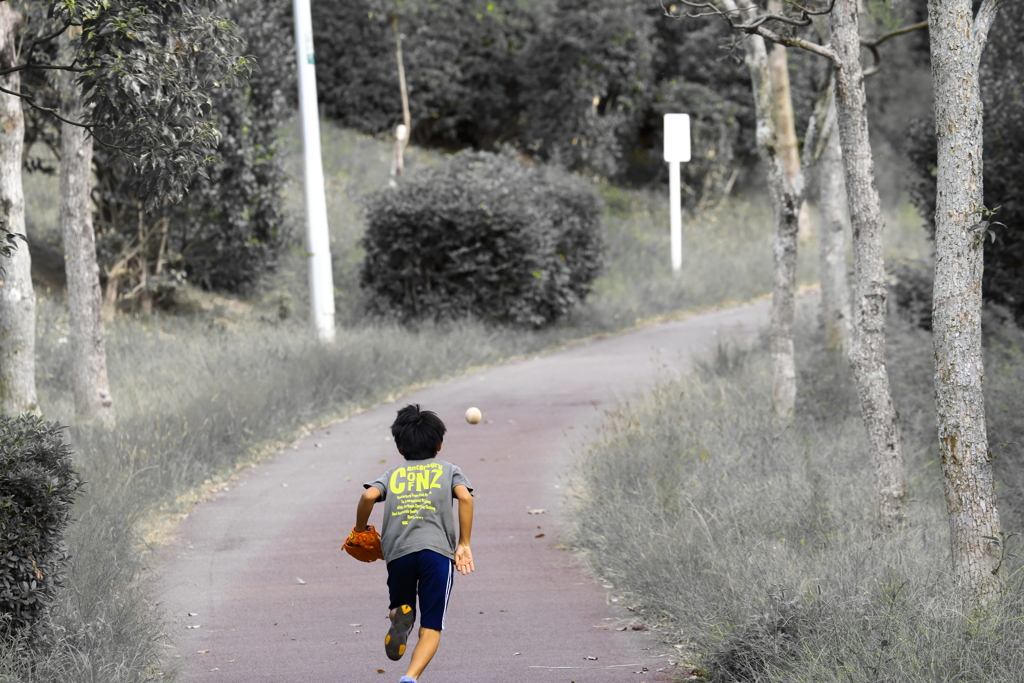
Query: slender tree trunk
[(402, 134), (93, 401), (835, 288), (17, 298), (867, 349), (821, 148), (957, 41), (776, 142), (785, 123), (786, 198)]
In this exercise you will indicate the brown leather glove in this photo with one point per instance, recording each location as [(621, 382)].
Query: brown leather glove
[(364, 545)]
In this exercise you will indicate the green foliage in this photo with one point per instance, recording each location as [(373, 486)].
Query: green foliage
[(37, 487), (483, 235), (229, 228), (583, 84), (146, 69), (1002, 87), (459, 62), (588, 72)]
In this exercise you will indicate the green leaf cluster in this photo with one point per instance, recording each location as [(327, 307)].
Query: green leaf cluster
[(37, 487), (229, 227), (483, 235), (146, 70)]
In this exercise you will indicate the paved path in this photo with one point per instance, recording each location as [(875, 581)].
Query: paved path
[(528, 613)]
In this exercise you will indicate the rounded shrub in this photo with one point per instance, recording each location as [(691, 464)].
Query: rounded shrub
[(37, 488), (486, 236)]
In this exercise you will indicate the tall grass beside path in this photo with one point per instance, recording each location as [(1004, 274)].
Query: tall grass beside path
[(755, 547)]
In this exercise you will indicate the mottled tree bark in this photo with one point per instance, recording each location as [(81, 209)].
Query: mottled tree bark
[(821, 150), (786, 198), (867, 348), (17, 298), (835, 287), (785, 122), (93, 401), (957, 41)]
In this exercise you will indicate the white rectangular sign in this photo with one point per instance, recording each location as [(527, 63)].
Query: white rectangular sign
[(677, 137)]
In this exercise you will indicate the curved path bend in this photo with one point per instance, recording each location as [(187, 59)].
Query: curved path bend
[(257, 590)]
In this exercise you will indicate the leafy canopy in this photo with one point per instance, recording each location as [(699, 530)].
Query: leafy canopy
[(146, 69)]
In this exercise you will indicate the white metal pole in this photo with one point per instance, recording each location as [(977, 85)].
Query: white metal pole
[(318, 242), (675, 216), (677, 149)]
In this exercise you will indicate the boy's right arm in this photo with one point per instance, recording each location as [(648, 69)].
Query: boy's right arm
[(463, 555), (365, 507)]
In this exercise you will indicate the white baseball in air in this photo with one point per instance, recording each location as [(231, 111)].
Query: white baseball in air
[(473, 416)]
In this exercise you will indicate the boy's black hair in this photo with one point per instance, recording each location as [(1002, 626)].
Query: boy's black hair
[(417, 432)]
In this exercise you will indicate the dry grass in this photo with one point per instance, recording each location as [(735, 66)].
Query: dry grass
[(758, 547)]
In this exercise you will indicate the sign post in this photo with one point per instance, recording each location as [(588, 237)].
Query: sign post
[(318, 242), (677, 149)]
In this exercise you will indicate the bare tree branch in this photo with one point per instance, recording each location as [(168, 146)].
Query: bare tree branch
[(56, 114), (48, 110), (792, 41), (757, 20), (51, 67), (755, 23), (872, 45), (892, 34), (983, 21)]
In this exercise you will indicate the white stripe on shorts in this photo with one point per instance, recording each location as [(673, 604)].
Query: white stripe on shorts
[(447, 593)]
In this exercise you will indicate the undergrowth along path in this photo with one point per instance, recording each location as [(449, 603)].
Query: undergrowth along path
[(256, 587)]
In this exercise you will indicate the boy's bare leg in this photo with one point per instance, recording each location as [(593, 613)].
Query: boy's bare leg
[(426, 646)]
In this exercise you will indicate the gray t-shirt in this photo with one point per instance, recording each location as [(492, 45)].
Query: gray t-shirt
[(418, 514)]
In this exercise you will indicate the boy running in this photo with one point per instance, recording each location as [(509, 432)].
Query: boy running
[(418, 534)]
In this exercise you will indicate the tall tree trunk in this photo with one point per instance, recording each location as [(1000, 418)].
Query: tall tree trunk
[(821, 148), (17, 298), (835, 287), (867, 348), (786, 198), (93, 401), (957, 41), (405, 130), (776, 142), (785, 122)]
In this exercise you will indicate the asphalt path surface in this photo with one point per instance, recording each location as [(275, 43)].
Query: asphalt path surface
[(256, 588)]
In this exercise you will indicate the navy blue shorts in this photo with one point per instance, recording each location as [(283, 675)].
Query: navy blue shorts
[(428, 575)]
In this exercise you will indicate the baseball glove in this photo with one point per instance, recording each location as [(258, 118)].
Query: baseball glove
[(364, 545)]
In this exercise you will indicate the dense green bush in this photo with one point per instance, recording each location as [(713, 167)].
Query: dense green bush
[(483, 235), (1002, 87), (37, 487)]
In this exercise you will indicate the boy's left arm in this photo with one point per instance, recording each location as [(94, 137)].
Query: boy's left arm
[(463, 555)]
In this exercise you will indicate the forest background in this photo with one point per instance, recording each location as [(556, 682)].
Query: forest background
[(198, 280)]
